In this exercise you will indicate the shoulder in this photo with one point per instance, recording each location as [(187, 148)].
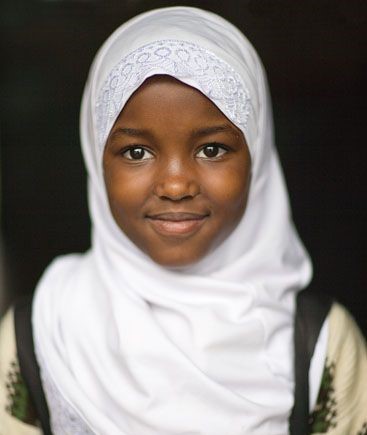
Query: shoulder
[(342, 402), (17, 416), (346, 341)]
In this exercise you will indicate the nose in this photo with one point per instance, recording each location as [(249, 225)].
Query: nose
[(176, 181)]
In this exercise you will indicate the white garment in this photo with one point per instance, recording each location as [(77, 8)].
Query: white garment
[(127, 347), (317, 365)]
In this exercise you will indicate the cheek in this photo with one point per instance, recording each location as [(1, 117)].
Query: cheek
[(228, 189), (127, 191)]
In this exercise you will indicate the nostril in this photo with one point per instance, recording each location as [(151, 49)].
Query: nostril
[(177, 190), (176, 197)]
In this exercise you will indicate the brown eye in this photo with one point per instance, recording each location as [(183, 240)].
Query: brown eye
[(211, 151), (137, 153)]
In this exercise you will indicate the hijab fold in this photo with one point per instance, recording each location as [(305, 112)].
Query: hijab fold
[(128, 347)]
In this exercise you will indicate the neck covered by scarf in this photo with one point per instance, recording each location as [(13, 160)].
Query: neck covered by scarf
[(128, 347)]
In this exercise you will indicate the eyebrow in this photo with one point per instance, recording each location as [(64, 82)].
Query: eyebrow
[(199, 132), (129, 132), (205, 131)]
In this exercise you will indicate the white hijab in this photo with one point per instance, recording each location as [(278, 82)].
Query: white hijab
[(127, 347)]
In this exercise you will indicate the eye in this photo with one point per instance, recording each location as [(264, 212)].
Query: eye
[(212, 150), (137, 153)]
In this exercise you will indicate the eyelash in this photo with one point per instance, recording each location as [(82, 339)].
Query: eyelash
[(125, 151), (221, 150)]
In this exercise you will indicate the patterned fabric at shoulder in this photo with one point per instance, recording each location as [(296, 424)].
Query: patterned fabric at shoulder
[(342, 402), (17, 412), (65, 420)]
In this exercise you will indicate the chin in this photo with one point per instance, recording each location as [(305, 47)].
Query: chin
[(177, 260)]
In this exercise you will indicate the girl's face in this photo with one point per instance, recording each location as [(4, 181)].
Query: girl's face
[(177, 172)]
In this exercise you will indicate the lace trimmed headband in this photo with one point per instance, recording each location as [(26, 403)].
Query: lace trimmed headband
[(183, 60)]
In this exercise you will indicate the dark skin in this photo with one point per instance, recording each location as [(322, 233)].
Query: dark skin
[(177, 172)]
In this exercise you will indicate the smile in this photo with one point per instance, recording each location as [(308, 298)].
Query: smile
[(177, 224)]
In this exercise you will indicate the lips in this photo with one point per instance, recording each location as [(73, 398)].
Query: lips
[(177, 223)]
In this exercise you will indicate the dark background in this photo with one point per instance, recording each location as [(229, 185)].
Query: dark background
[(315, 56)]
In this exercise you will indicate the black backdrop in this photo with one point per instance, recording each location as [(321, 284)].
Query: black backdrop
[(315, 56)]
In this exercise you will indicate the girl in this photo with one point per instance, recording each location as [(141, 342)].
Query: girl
[(180, 318)]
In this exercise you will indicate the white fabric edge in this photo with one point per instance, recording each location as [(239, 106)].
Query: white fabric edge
[(317, 364)]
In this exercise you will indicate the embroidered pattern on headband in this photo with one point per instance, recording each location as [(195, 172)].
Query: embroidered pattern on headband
[(182, 60)]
